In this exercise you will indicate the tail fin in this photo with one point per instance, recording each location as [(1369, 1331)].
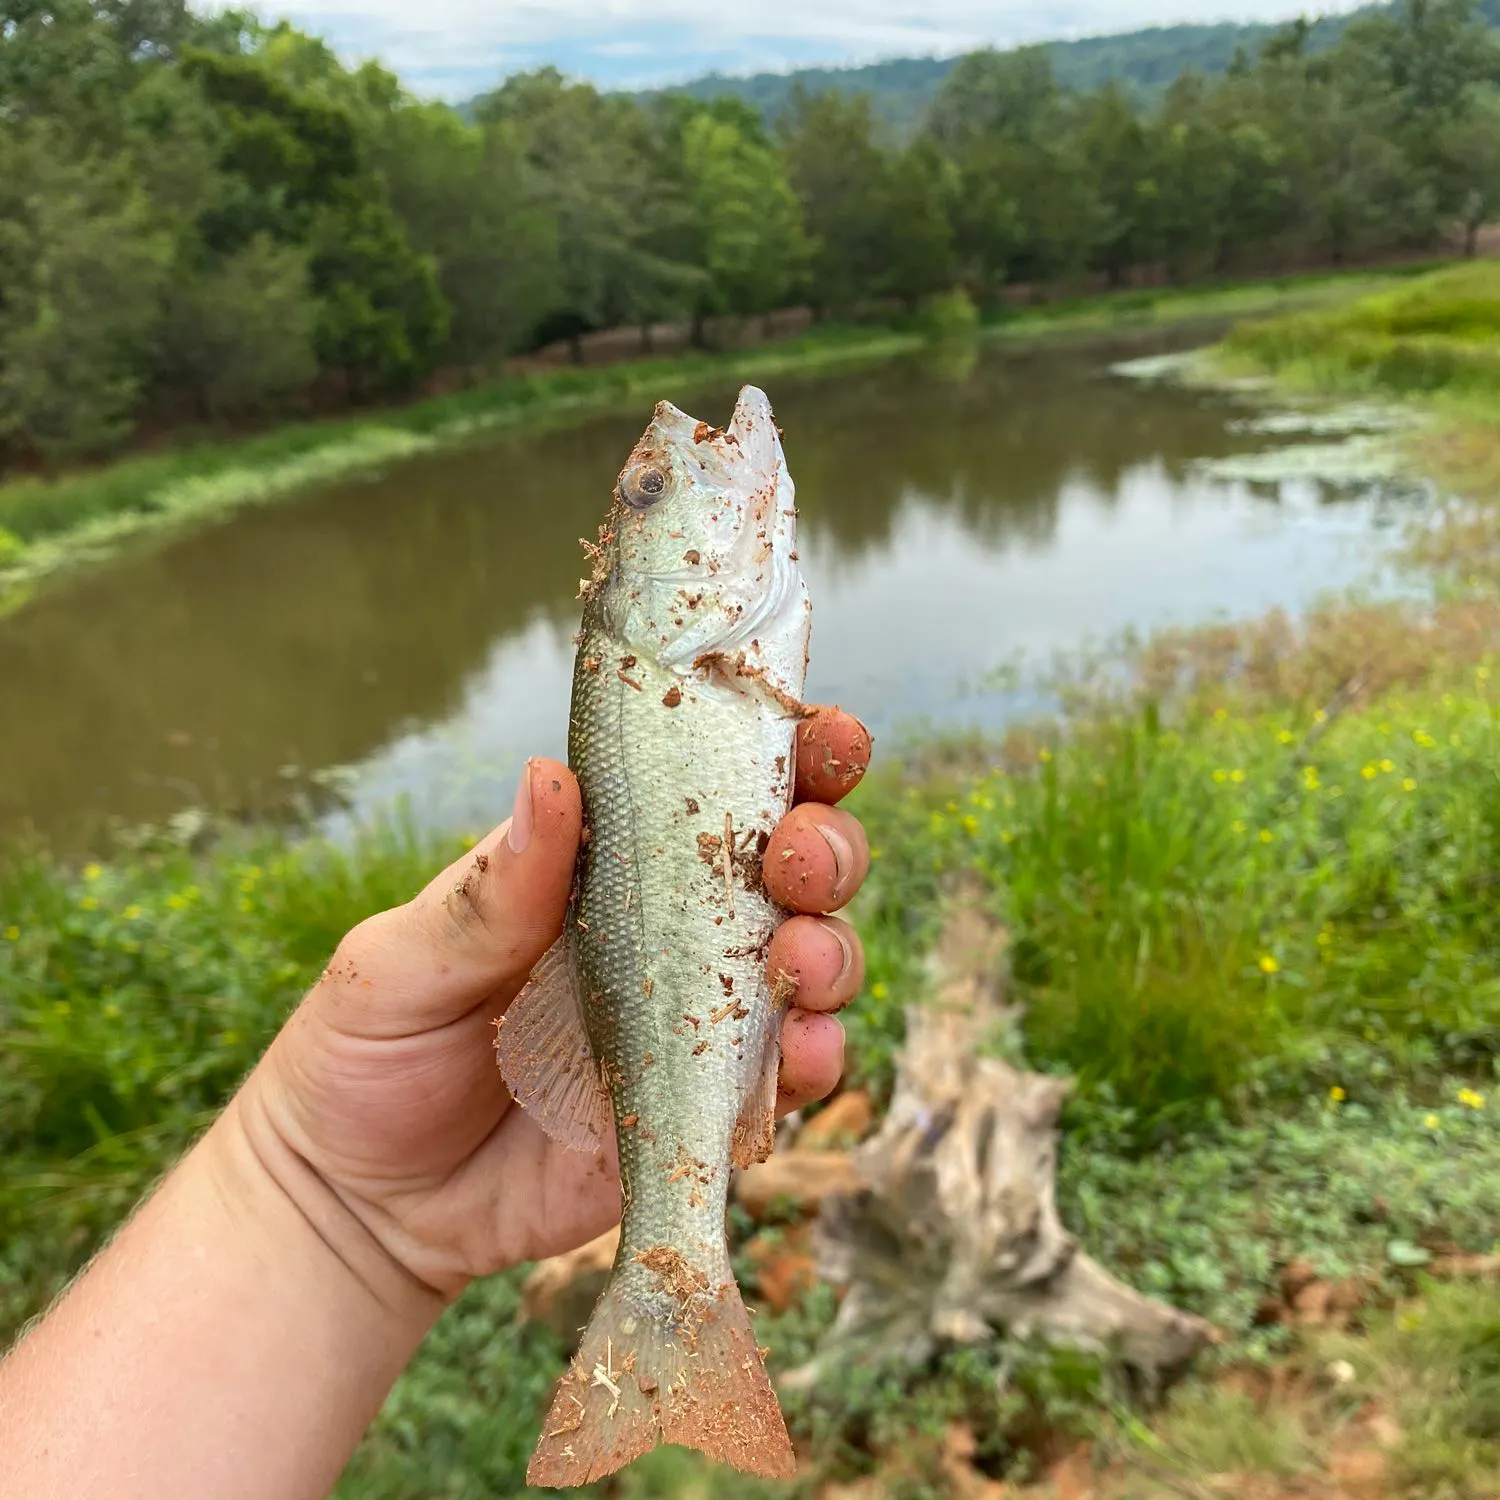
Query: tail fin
[(637, 1381)]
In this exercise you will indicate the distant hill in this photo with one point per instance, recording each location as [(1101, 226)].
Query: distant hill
[(1146, 60), (902, 89)]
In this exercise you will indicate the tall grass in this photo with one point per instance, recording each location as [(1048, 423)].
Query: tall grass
[(1238, 901), (1437, 335)]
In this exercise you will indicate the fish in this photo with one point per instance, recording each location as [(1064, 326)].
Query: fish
[(654, 1016)]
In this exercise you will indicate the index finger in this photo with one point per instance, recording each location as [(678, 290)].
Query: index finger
[(833, 754)]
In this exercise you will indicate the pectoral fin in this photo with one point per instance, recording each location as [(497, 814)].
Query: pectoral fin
[(755, 1131), (543, 1051)]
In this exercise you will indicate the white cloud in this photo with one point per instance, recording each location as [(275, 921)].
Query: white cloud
[(456, 46)]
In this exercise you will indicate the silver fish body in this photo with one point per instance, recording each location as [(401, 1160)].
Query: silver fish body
[(656, 1009)]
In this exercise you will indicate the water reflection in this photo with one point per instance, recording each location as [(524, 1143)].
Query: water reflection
[(418, 624)]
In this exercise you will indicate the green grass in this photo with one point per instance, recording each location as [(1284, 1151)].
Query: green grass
[(1438, 335), (1161, 307), (1213, 904)]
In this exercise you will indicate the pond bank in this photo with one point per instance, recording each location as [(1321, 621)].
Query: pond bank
[(49, 525)]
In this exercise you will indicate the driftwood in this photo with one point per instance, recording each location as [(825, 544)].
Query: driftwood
[(955, 1237)]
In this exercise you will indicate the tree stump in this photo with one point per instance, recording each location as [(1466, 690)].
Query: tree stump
[(955, 1236)]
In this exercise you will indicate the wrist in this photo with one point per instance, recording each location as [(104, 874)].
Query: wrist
[(280, 1200)]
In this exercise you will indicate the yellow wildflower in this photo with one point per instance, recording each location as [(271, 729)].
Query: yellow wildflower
[(1286, 737), (1387, 766), (1045, 756), (1310, 778), (952, 807), (1425, 740), (879, 990), (1268, 964), (1221, 776), (1369, 773), (92, 871), (971, 825), (1337, 1094), (1237, 777), (1432, 1122), (1325, 938), (1241, 826), (177, 901), (1267, 837), (876, 853), (1320, 717), (1470, 1100), (1408, 785), (90, 903), (131, 912), (12, 934)]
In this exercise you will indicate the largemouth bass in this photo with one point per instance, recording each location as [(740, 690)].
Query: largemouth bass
[(654, 1015)]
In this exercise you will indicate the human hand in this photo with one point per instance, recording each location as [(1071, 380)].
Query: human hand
[(383, 1083)]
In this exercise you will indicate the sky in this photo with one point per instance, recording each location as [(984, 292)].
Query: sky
[(454, 49)]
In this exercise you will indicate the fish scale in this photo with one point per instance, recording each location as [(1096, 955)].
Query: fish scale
[(654, 1017)]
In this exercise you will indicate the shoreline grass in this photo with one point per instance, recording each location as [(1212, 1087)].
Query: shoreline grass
[(48, 525)]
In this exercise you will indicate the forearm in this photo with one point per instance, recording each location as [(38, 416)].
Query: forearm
[(234, 1340)]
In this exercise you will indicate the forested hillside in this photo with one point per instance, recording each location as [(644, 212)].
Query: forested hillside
[(903, 89), (1146, 61), (211, 221)]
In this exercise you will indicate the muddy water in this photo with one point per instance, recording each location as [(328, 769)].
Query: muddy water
[(415, 626)]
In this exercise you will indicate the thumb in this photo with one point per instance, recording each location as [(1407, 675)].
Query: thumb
[(475, 933)]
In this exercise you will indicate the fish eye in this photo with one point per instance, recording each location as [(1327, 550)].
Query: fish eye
[(643, 486)]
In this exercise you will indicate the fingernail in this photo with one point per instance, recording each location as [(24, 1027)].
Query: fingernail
[(843, 856), (845, 946), (521, 816)]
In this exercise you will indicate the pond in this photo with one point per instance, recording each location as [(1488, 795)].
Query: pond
[(414, 627)]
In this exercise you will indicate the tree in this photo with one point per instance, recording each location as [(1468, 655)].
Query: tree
[(838, 173), (295, 162), (915, 237), (595, 170), (750, 240), (1113, 141), (81, 271), (1469, 150), (239, 336), (467, 199)]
